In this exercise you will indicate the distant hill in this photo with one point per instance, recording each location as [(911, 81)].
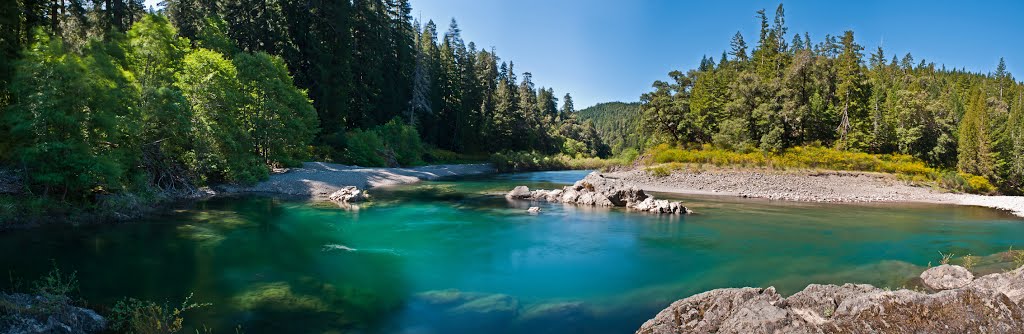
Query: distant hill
[(617, 124)]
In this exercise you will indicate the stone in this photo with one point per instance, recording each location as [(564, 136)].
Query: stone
[(533, 210), (597, 190), (28, 314), (990, 304), (554, 195), (348, 194), (570, 195), (1010, 284), (520, 192), (946, 277)]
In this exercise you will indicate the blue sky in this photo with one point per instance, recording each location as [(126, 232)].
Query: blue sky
[(612, 50)]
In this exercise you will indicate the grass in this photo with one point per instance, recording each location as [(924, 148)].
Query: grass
[(945, 258), (969, 261), (533, 161), (663, 159)]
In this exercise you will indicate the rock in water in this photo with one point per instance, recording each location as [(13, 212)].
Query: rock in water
[(990, 304), (520, 192), (946, 277), (348, 194), (533, 210), (597, 190)]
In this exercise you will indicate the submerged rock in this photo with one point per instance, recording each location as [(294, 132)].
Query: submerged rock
[(348, 194), (946, 277), (990, 304), (533, 210), (597, 190), (25, 314)]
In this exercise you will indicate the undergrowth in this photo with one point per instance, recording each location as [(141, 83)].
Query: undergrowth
[(534, 161), (663, 159)]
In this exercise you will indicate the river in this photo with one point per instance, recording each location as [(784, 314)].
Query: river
[(456, 257)]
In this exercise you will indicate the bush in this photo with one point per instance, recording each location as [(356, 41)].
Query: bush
[(135, 316), (403, 140), (390, 145), (364, 148), (797, 157), (967, 183), (534, 161), (817, 157)]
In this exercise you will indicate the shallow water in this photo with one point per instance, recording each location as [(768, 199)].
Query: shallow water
[(444, 257)]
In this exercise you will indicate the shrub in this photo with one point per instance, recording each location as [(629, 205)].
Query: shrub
[(967, 183), (56, 285), (135, 316), (817, 157), (403, 140), (389, 145), (978, 184), (534, 161), (364, 148)]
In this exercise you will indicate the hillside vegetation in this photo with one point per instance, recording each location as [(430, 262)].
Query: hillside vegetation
[(101, 98), (618, 124), (789, 91)]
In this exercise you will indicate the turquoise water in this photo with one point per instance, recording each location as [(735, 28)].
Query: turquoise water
[(456, 257)]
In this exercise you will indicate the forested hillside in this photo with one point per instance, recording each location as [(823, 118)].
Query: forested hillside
[(618, 125), (103, 97), (788, 90)]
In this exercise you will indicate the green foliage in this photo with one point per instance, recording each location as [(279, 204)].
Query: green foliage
[(975, 145), (222, 149), (390, 145), (56, 286), (279, 117), (786, 96), (73, 143), (365, 148), (134, 316), (967, 183), (617, 124), (535, 161), (665, 158)]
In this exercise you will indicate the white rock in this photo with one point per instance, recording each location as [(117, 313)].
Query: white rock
[(947, 277), (348, 194)]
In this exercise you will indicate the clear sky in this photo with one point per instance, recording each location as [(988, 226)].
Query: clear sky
[(612, 50)]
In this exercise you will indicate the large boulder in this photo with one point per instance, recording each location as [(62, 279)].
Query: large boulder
[(990, 304), (946, 277), (597, 190), (1010, 284), (520, 192), (28, 314)]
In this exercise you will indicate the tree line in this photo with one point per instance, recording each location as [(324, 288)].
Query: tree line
[(101, 96), (788, 91)]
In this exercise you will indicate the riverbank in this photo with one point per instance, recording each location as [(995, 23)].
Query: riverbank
[(314, 180), (943, 299), (807, 186), (317, 180)]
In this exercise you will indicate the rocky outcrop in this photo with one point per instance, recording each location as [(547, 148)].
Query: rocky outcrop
[(990, 304), (946, 277), (28, 314), (348, 194), (597, 190), (10, 182)]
